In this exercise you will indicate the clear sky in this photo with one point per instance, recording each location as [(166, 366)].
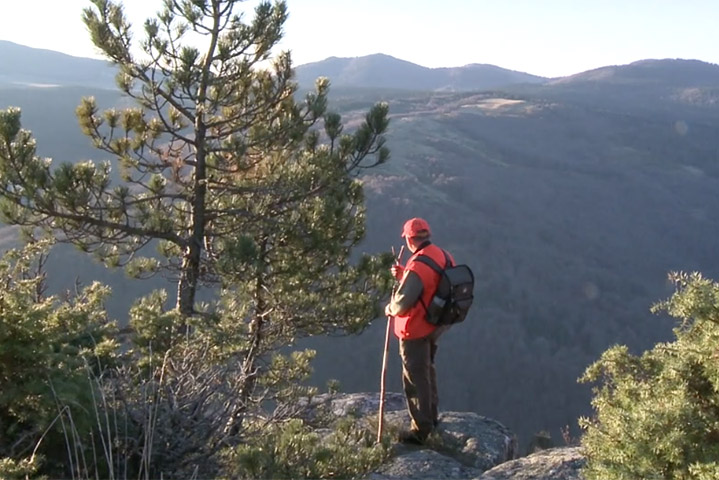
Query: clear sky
[(543, 37)]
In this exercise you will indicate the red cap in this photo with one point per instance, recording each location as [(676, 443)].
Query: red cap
[(415, 226)]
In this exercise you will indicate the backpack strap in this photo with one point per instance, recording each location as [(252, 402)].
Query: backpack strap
[(433, 265)]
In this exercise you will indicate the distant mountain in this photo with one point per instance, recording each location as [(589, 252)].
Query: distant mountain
[(647, 86), (666, 72), (384, 71), (21, 65)]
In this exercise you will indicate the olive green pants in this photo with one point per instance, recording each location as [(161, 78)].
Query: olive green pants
[(419, 380)]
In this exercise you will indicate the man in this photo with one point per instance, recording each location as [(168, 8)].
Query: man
[(417, 337)]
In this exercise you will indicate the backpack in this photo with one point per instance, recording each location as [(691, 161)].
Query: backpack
[(453, 297)]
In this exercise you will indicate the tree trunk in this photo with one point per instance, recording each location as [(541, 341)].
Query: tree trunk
[(249, 375), (190, 273), (187, 285)]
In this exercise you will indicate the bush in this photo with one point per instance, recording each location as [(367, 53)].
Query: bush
[(657, 415), (49, 350), (296, 450)]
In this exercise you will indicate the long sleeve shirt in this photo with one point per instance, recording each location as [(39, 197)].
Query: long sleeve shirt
[(407, 294)]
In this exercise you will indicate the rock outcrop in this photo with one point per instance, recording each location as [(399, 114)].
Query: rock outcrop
[(552, 464), (466, 445)]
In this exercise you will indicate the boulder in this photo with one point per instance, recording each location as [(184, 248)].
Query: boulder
[(357, 404), (474, 440), (423, 464), (552, 464), (464, 445)]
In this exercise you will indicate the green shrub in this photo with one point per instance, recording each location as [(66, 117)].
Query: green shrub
[(295, 450), (657, 415), (47, 349)]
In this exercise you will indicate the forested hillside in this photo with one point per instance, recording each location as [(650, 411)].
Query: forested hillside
[(571, 201)]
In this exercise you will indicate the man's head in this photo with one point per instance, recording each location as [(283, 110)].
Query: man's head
[(415, 231)]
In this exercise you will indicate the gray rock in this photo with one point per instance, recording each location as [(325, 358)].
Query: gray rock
[(358, 404), (553, 464), (464, 445), (423, 464), (475, 440)]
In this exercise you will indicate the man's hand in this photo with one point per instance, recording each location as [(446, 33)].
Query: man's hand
[(397, 270), (386, 310)]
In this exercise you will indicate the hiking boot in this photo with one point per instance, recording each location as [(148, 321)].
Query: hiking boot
[(411, 437)]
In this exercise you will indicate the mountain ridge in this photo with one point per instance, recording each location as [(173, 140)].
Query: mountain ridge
[(670, 71), (385, 71), (24, 65)]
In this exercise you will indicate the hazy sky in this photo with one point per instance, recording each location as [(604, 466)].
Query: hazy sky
[(543, 37)]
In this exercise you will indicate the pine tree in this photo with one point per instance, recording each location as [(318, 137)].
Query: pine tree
[(216, 146), (657, 415), (239, 185)]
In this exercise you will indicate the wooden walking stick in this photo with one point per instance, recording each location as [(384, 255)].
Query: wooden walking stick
[(384, 362)]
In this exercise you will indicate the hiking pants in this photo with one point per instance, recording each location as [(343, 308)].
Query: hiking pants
[(419, 380)]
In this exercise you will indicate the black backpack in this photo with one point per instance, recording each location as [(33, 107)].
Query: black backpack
[(453, 297)]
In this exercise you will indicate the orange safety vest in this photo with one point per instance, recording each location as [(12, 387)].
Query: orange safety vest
[(413, 324)]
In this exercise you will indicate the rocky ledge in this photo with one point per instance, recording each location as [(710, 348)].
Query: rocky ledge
[(552, 464), (465, 446)]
